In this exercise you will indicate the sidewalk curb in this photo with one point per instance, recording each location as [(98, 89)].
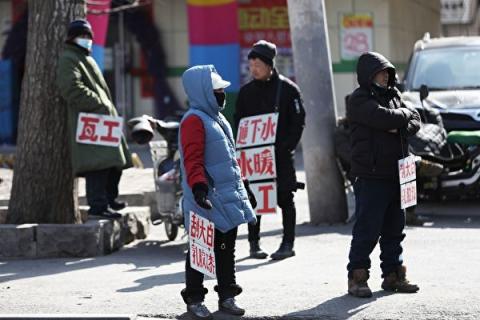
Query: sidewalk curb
[(93, 238)]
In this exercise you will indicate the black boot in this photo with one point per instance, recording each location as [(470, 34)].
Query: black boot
[(285, 251), (256, 252), (199, 311), (118, 205), (230, 306)]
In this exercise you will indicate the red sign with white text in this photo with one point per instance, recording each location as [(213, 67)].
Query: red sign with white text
[(99, 129), (257, 130), (202, 238), (266, 195), (257, 163), (267, 20)]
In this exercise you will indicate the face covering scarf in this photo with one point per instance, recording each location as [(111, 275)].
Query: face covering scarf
[(221, 97)]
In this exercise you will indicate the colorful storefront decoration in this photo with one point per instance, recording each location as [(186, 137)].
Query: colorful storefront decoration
[(356, 35), (268, 20)]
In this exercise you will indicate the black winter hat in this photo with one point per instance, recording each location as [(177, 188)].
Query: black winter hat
[(265, 51), (79, 27)]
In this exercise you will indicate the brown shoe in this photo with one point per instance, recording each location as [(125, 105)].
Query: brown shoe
[(397, 282), (357, 284)]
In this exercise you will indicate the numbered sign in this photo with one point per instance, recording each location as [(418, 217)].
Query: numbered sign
[(99, 129), (257, 130), (257, 163), (201, 242), (266, 195)]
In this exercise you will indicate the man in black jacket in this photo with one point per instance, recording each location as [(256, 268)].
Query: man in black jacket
[(380, 124), (259, 96)]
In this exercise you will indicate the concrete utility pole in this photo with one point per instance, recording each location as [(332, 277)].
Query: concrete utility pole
[(311, 55)]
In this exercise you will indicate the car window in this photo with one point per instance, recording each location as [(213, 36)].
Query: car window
[(446, 69)]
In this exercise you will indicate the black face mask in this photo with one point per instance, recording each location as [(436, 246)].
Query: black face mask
[(220, 96)]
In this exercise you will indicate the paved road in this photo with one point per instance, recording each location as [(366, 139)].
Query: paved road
[(145, 277)]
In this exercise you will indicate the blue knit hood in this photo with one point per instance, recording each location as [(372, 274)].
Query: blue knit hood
[(197, 82)]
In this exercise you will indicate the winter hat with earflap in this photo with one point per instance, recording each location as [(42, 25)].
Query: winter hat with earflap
[(265, 51), (79, 27)]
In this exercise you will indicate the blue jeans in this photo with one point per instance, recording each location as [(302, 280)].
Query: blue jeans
[(378, 216)]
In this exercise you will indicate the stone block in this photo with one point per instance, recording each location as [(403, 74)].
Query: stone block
[(92, 238), (70, 240), (17, 241), (113, 235), (136, 223)]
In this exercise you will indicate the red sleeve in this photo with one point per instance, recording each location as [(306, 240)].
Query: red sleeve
[(192, 135)]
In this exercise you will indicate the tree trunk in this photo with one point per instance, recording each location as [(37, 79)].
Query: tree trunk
[(43, 183)]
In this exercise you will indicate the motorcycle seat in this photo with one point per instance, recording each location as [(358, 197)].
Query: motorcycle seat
[(464, 137)]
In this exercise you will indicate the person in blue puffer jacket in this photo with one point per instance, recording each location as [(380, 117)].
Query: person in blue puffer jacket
[(212, 185)]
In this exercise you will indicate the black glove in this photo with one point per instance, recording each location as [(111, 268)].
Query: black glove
[(200, 191), (251, 196)]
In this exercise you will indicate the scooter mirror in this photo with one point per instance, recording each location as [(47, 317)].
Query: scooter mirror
[(423, 92), (142, 132)]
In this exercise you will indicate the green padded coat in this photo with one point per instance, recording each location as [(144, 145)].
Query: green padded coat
[(84, 89)]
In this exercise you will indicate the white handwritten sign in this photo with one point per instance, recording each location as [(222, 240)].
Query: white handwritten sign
[(406, 169), (99, 129), (266, 195), (201, 241), (408, 194), (257, 163), (257, 130), (408, 185)]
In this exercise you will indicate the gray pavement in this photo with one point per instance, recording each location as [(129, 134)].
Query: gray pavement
[(145, 277)]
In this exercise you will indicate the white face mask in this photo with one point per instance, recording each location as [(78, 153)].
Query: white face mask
[(84, 43)]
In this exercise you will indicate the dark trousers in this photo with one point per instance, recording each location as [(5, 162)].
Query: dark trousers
[(289, 218), (102, 188), (227, 287), (378, 216)]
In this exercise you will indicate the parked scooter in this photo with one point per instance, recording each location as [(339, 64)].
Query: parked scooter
[(458, 152), (166, 170), (448, 164)]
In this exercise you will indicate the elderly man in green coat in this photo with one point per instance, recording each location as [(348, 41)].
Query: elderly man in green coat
[(83, 87)]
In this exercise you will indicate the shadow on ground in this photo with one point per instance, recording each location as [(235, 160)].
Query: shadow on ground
[(338, 308), (139, 255)]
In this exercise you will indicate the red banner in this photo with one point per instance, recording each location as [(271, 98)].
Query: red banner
[(267, 20)]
